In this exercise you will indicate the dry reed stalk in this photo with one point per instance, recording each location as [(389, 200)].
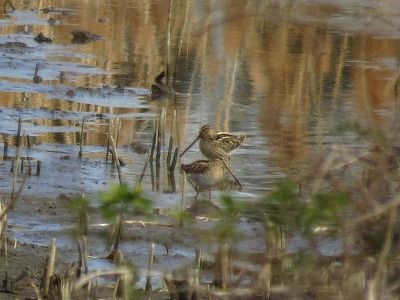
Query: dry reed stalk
[(49, 268), (28, 142), (85, 253), (12, 165), (174, 160), (13, 200), (122, 271), (38, 164), (17, 155), (149, 265), (263, 284), (197, 267), (22, 164), (160, 136), (376, 286), (171, 141), (115, 158), (169, 282), (3, 245), (169, 28), (152, 176), (223, 266), (118, 128), (340, 66), (183, 196), (171, 177), (144, 168), (118, 231), (81, 138), (108, 140), (155, 139), (158, 167), (37, 291), (5, 148), (29, 172)]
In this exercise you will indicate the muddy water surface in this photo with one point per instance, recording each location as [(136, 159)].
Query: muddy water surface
[(285, 75)]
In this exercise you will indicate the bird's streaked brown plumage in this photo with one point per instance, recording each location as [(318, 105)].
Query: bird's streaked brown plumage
[(215, 144), (204, 174)]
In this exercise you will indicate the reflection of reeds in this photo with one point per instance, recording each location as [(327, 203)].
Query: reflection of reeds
[(149, 266), (81, 137), (115, 158), (5, 147)]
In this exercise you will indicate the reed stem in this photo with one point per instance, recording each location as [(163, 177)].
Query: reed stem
[(81, 138)]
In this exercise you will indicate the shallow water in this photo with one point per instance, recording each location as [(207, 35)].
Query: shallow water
[(285, 74)]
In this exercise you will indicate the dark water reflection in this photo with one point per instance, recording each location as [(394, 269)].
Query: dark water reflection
[(286, 75)]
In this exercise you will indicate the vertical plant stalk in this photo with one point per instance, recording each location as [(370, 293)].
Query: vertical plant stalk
[(222, 272), (144, 168), (22, 164), (152, 176), (3, 244), (163, 122), (171, 144), (5, 148), (49, 269), (155, 138), (118, 127), (17, 155), (118, 232), (183, 197), (376, 286), (174, 160), (81, 138), (149, 265), (169, 29), (115, 158), (171, 141), (197, 267), (28, 141), (158, 152), (38, 166), (108, 140)]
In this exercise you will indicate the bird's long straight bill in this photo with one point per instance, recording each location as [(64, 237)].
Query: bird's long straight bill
[(230, 172), (190, 146)]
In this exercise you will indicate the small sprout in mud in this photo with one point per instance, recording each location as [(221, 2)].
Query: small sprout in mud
[(181, 217), (121, 199), (225, 229), (326, 209), (282, 207)]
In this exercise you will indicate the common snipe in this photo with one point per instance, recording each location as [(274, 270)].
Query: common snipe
[(215, 144), (207, 174)]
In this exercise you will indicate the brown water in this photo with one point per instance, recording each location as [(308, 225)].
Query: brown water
[(286, 74)]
